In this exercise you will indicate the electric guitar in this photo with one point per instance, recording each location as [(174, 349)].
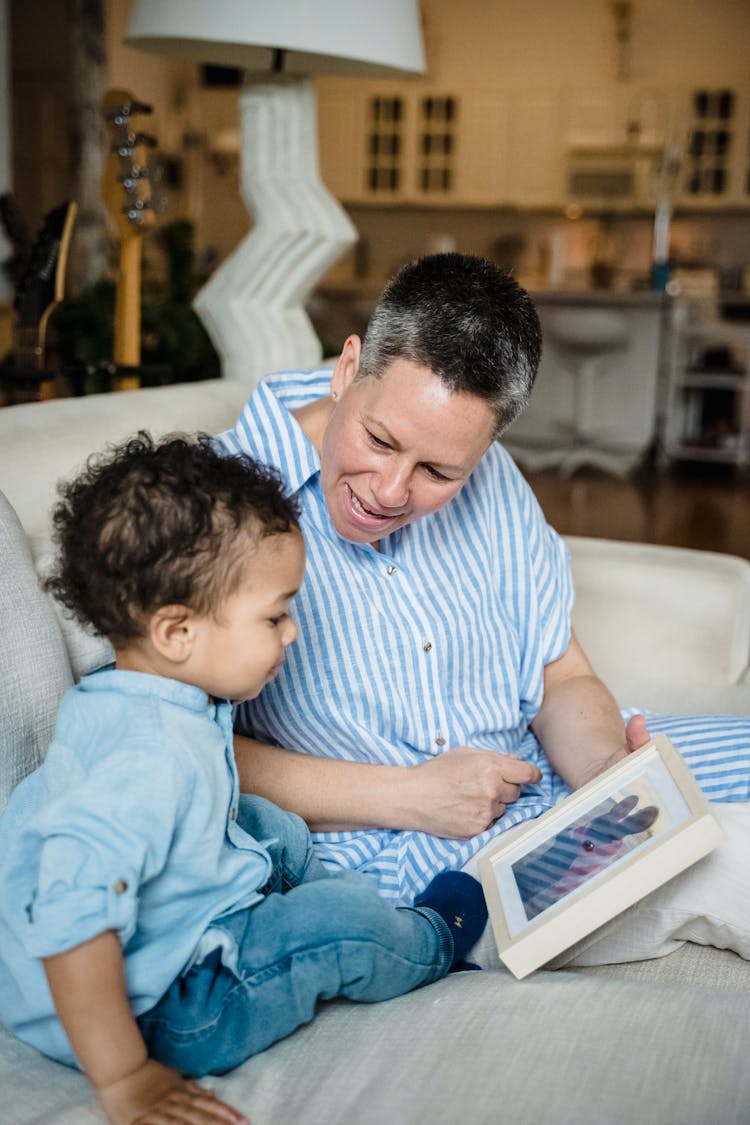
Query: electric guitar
[(38, 293), (129, 173)]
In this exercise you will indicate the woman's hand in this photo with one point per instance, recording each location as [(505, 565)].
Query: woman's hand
[(636, 733), (462, 792), (157, 1095)]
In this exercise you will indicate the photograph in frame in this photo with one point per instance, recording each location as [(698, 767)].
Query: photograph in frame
[(597, 852)]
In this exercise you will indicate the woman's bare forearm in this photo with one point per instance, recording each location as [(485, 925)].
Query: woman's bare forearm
[(580, 729), (456, 794), (330, 794), (579, 724)]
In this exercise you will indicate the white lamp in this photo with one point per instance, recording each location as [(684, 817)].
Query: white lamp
[(253, 305)]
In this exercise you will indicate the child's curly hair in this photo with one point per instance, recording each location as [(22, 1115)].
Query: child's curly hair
[(149, 524)]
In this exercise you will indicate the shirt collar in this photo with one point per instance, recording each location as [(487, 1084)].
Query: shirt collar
[(142, 684), (274, 435)]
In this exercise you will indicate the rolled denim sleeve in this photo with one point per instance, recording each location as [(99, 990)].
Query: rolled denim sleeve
[(78, 895), (90, 859)]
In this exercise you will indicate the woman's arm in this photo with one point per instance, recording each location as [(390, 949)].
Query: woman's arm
[(88, 988), (455, 794), (579, 723)]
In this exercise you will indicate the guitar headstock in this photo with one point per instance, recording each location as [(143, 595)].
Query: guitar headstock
[(131, 169), (42, 284)]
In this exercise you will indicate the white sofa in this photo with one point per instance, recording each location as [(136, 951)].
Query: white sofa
[(650, 1043)]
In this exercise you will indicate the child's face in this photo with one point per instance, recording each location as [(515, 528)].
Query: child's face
[(241, 648)]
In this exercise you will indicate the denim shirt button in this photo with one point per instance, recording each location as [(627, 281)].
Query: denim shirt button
[(120, 887)]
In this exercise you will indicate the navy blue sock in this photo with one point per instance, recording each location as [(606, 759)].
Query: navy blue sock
[(459, 900)]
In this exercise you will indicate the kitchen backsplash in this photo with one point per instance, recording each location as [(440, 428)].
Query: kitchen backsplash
[(547, 251)]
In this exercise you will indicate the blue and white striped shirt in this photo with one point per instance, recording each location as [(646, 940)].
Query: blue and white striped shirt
[(437, 640)]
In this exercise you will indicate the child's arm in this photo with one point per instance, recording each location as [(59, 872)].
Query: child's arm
[(88, 987)]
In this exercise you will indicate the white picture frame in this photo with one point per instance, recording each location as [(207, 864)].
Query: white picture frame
[(597, 852)]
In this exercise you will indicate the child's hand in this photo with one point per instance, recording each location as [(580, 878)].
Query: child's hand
[(156, 1095)]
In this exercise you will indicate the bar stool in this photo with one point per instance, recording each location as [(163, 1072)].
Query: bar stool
[(584, 338)]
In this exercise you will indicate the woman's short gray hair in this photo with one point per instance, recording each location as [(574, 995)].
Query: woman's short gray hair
[(464, 319)]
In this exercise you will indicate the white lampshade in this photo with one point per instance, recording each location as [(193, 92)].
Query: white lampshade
[(376, 37)]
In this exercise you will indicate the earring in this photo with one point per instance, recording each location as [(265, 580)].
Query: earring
[(334, 396)]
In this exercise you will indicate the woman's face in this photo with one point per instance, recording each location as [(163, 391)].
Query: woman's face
[(397, 447)]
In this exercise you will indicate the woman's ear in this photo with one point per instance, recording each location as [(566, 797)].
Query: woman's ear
[(172, 631), (347, 366)]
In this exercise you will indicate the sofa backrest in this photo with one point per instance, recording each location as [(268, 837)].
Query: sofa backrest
[(667, 614), (34, 666), (44, 442)]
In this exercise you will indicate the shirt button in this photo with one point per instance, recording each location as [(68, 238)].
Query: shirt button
[(120, 887), (440, 742), (390, 570), (427, 646)]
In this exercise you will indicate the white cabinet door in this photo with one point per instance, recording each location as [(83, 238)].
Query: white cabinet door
[(612, 118), (482, 164), (534, 154), (366, 136), (591, 119), (341, 142), (716, 139)]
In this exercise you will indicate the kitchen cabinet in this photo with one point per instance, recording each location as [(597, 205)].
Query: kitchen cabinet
[(391, 144), (397, 144), (708, 411), (716, 164), (340, 131), (611, 117), (534, 152)]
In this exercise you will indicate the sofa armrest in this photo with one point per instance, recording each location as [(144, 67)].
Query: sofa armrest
[(661, 615)]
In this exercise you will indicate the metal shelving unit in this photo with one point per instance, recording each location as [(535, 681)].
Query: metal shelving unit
[(708, 416)]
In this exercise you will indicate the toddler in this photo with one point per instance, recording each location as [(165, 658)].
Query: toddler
[(155, 924)]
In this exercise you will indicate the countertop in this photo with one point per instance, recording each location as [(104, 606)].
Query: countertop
[(634, 299), (638, 298)]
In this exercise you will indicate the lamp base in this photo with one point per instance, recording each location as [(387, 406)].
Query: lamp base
[(253, 305)]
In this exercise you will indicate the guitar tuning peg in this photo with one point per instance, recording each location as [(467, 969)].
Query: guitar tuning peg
[(121, 114), (135, 208), (133, 177), (137, 107), (124, 146)]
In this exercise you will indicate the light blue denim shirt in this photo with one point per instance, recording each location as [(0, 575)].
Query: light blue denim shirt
[(129, 825)]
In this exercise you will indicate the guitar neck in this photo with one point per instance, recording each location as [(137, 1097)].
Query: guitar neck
[(42, 287), (127, 339)]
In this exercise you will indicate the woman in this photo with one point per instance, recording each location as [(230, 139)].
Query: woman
[(436, 607)]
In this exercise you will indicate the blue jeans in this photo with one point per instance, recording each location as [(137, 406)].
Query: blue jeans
[(311, 937)]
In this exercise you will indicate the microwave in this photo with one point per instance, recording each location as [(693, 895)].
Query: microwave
[(612, 177)]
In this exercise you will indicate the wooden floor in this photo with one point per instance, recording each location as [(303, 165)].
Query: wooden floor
[(690, 506)]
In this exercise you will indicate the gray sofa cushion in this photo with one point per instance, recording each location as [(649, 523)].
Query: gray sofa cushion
[(480, 1048), (34, 667)]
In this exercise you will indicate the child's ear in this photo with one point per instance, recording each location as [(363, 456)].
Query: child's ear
[(172, 632)]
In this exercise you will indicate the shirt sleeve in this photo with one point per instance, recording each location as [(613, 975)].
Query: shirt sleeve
[(85, 858), (546, 600), (554, 588)]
